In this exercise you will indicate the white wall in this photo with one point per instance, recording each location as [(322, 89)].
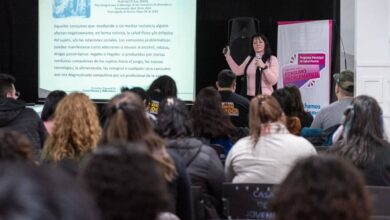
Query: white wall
[(372, 52), (347, 32)]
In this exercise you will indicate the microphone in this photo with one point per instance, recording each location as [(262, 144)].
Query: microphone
[(257, 58)]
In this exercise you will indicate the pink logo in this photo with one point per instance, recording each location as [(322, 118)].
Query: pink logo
[(312, 59), (299, 74)]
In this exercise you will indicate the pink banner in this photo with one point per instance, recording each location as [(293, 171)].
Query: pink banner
[(300, 74)]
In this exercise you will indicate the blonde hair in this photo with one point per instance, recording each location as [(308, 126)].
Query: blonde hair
[(264, 109), (76, 129), (127, 121)]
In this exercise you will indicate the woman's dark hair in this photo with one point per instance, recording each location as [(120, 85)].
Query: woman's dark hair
[(50, 105), (209, 119), (297, 103), (42, 193), (165, 85), (127, 121), (322, 188), (14, 147), (363, 131), (126, 182), (6, 82), (173, 119), (285, 100), (267, 47)]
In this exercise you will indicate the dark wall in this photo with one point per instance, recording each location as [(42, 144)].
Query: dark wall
[(19, 34)]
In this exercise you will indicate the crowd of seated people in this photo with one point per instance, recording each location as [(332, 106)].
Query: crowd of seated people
[(144, 162)]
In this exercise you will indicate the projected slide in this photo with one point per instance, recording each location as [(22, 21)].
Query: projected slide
[(98, 46)]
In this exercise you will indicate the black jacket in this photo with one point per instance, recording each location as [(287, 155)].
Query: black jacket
[(236, 106), (377, 171), (204, 168), (15, 116)]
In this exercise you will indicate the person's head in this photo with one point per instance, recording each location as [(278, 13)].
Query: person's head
[(208, 116), (297, 103), (322, 188), (142, 94), (344, 84), (285, 101), (165, 85), (7, 87), (126, 182), (126, 121), (42, 193), (263, 110), (76, 128), (363, 130), (174, 120), (14, 147), (51, 103), (260, 44), (226, 80)]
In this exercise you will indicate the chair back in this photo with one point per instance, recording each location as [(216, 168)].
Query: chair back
[(247, 201), (380, 196)]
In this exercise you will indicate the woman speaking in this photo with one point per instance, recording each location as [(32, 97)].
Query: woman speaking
[(260, 68)]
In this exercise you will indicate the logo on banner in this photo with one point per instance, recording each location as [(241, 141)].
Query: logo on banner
[(303, 68)]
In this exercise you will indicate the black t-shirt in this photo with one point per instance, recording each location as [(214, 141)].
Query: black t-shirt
[(236, 106)]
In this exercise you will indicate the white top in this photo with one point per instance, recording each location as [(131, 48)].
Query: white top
[(270, 160)]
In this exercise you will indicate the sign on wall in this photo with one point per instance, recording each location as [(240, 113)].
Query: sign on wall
[(304, 54)]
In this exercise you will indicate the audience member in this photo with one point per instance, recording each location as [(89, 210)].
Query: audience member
[(49, 108), (39, 193), (286, 101), (76, 132), (331, 115), (161, 88), (236, 106), (297, 104), (210, 122), (126, 182), (363, 140), (14, 147), (268, 154), (127, 121), (202, 162), (322, 188), (147, 101), (15, 116)]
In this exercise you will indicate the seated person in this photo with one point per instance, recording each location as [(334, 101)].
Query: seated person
[(126, 182), (15, 147), (161, 88), (268, 154), (286, 101), (322, 188), (363, 141), (202, 162), (235, 105), (41, 193), (49, 108), (210, 122), (331, 115)]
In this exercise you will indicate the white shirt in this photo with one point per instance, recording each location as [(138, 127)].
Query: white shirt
[(270, 160)]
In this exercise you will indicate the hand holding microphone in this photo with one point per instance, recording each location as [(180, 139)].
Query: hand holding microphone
[(260, 64)]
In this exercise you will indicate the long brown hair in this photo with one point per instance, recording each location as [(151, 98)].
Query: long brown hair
[(209, 118), (76, 129), (126, 120), (264, 109)]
